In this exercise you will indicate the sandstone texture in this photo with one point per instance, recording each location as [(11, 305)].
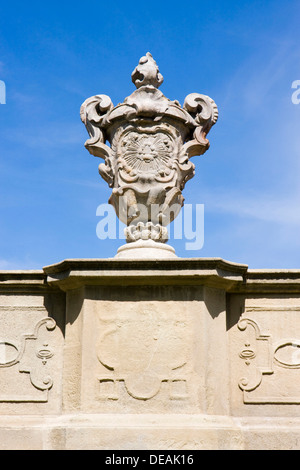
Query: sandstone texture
[(146, 354)]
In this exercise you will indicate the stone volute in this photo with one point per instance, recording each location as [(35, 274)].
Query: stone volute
[(148, 161)]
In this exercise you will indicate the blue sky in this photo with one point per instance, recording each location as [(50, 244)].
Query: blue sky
[(245, 55)]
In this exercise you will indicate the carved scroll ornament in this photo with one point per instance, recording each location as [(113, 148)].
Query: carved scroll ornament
[(151, 142)]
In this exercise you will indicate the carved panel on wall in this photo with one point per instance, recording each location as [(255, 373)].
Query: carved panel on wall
[(257, 356), (269, 363), (25, 361), (142, 352)]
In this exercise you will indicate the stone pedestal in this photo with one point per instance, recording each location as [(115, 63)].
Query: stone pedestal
[(145, 354), (145, 336)]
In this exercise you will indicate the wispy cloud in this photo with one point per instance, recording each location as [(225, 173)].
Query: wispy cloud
[(48, 135), (254, 80), (11, 265), (22, 98), (264, 207), (83, 182)]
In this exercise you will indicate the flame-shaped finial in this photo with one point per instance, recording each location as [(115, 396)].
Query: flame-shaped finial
[(147, 72)]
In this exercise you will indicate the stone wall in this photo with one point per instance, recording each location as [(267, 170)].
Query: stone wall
[(168, 354)]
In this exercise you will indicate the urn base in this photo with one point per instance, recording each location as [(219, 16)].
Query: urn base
[(145, 249)]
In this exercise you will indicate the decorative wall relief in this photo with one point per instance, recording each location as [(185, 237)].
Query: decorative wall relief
[(140, 352), (269, 365), (152, 140), (27, 362), (287, 353), (257, 356)]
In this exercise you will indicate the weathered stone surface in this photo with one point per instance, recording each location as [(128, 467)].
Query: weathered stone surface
[(31, 344), (148, 161), (265, 346), (169, 354), (146, 350)]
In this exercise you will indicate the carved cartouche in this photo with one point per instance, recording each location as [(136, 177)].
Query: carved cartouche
[(151, 142)]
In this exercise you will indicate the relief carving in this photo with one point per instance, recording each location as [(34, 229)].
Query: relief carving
[(151, 142), (257, 365), (30, 356), (265, 360), (140, 356), (287, 354)]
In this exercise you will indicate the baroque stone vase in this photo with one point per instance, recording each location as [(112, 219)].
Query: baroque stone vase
[(148, 161)]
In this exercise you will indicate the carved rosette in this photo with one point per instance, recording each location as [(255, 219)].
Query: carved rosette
[(151, 142)]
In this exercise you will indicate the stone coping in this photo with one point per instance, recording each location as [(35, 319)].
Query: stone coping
[(212, 272), (145, 264)]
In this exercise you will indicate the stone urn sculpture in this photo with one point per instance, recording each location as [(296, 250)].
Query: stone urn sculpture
[(148, 161)]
